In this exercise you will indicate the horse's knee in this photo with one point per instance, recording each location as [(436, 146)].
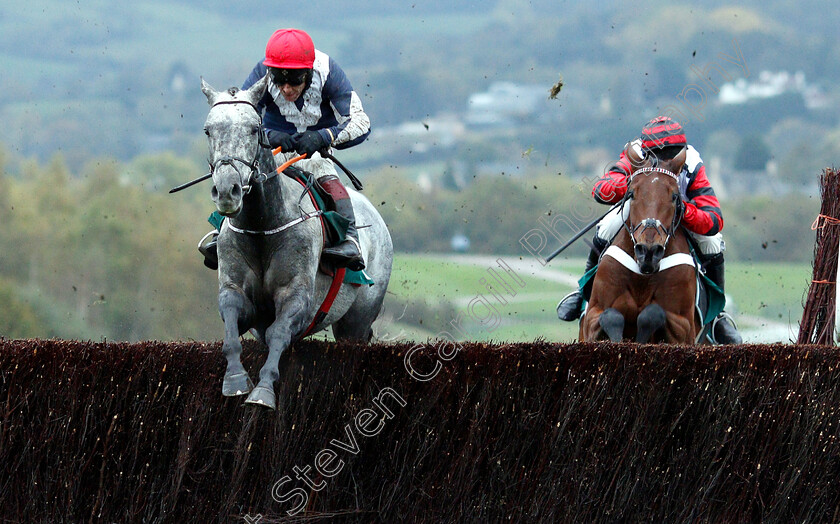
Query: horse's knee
[(650, 320), (612, 322), (235, 307), (230, 300)]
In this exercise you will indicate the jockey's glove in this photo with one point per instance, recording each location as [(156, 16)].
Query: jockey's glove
[(284, 141), (309, 142)]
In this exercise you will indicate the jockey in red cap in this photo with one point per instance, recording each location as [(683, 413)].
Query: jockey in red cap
[(664, 138), (308, 107)]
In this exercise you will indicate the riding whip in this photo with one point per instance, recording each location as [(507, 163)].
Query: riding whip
[(191, 183), (581, 233), (356, 182)]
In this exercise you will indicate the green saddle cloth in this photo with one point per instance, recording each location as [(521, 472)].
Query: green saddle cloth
[(357, 278), (716, 299)]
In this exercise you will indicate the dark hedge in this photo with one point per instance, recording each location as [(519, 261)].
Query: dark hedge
[(108, 432)]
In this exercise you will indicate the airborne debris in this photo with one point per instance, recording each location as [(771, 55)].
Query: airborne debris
[(555, 89)]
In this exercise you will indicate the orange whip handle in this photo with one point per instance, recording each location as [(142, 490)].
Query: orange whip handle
[(287, 163)]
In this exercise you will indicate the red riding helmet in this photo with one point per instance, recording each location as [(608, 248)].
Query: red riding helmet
[(662, 132), (290, 49)]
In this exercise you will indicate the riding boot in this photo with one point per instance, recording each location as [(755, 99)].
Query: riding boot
[(348, 253), (724, 330), (570, 308), (207, 247)]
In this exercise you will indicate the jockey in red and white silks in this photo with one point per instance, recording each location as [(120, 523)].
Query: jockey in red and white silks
[(702, 217), (664, 138)]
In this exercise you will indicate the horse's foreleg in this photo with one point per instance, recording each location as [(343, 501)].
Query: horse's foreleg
[(589, 327), (612, 322), (278, 336), (232, 307), (679, 330), (650, 320)]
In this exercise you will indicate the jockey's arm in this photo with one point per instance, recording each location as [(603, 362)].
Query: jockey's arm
[(702, 210), (353, 123), (611, 187)]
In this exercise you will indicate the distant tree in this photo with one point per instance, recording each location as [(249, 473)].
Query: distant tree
[(723, 143), (789, 132), (756, 231), (752, 153), (395, 96), (17, 317), (801, 165), (452, 178)]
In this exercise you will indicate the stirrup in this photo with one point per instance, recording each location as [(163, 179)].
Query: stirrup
[(201, 246), (352, 261), (207, 247), (728, 327)]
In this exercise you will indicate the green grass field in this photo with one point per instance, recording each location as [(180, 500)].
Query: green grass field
[(765, 299)]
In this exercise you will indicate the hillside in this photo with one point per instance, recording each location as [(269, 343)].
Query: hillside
[(105, 115), (123, 79)]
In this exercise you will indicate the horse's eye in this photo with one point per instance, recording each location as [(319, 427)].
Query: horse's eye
[(206, 132), (254, 130), (674, 197)]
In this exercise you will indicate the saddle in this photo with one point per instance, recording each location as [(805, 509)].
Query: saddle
[(333, 223)]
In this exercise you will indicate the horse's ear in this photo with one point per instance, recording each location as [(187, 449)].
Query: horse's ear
[(256, 91), (208, 91), (675, 164)]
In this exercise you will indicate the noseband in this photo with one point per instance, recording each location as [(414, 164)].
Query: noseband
[(653, 223), (254, 176)]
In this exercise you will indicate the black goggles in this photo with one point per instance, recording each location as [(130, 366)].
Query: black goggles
[(293, 77)]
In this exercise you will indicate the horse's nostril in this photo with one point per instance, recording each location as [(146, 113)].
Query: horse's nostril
[(640, 251), (659, 251), (214, 193), (236, 192)]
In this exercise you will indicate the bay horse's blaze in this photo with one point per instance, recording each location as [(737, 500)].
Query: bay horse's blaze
[(645, 302)]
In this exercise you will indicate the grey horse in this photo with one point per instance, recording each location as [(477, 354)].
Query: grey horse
[(269, 248)]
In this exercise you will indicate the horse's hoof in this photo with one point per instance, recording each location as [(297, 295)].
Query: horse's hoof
[(236, 385), (262, 396)]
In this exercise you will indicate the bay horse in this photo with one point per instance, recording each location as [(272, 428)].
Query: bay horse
[(645, 285), (269, 248)]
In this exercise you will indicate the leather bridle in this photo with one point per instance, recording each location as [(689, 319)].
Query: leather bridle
[(254, 175), (653, 223)]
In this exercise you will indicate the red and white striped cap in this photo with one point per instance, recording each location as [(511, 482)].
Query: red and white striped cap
[(661, 132)]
